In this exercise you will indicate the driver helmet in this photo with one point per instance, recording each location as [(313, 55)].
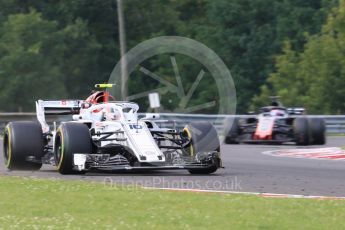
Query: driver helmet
[(111, 114), (276, 112)]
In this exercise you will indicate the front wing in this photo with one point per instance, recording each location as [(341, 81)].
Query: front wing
[(282, 135), (86, 162)]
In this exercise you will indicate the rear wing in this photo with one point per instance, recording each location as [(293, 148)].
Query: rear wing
[(296, 111), (62, 107)]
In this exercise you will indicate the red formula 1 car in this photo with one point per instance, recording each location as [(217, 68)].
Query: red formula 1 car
[(277, 124)]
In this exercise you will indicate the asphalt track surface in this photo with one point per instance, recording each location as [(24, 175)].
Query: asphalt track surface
[(246, 170)]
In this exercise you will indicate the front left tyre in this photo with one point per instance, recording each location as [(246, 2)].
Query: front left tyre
[(23, 145), (317, 131), (70, 138), (203, 138), (301, 131)]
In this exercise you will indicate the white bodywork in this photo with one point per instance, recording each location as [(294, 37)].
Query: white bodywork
[(269, 117), (118, 117)]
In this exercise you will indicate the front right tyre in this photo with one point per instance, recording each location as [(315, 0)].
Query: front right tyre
[(232, 127)]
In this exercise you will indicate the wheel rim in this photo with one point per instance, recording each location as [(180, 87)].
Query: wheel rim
[(58, 151), (187, 134), (6, 150)]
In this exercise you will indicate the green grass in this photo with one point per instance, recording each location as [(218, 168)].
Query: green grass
[(28, 203)]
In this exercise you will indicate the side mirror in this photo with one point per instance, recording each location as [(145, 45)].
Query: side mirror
[(77, 117), (150, 116)]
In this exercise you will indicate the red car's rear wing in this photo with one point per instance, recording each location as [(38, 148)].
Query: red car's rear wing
[(296, 111)]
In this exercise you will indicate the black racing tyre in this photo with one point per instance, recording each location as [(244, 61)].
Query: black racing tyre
[(317, 131), (21, 140), (204, 138), (301, 131), (70, 138), (231, 132)]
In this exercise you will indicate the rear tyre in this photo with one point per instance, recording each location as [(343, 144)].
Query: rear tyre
[(317, 131), (233, 131), (204, 138), (23, 139), (71, 138), (301, 131)]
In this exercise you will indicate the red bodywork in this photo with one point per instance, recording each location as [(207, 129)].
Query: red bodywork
[(264, 129)]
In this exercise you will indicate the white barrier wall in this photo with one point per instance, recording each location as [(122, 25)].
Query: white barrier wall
[(334, 123)]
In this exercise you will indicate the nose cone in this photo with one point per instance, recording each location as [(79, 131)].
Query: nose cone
[(264, 129)]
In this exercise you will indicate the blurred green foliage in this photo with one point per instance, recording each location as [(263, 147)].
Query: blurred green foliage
[(60, 49), (314, 76)]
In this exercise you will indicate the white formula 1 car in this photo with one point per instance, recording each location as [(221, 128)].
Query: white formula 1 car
[(105, 135)]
